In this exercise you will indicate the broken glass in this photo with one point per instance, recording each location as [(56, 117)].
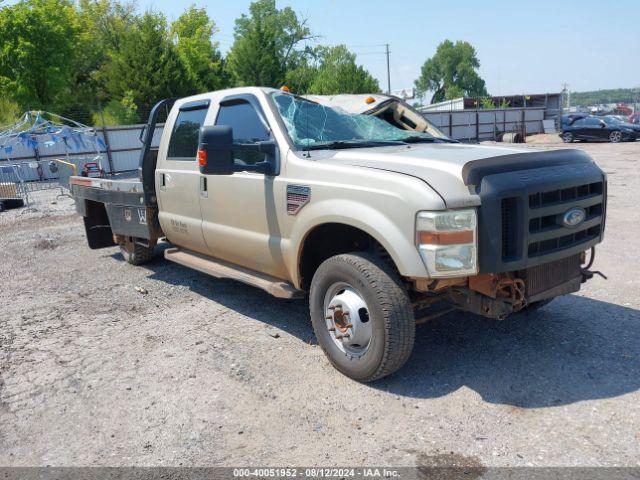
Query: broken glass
[(312, 125)]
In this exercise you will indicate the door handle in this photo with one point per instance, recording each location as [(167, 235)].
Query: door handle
[(163, 182), (203, 187)]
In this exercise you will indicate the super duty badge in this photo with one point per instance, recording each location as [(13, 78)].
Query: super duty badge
[(297, 197)]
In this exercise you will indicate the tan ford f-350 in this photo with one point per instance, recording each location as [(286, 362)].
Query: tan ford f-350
[(366, 208)]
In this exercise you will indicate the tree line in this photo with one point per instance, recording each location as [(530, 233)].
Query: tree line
[(103, 62), (597, 97)]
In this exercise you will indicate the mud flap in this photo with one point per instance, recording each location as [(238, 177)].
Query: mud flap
[(98, 232)]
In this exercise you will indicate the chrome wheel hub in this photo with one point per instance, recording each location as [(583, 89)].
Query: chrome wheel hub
[(347, 319)]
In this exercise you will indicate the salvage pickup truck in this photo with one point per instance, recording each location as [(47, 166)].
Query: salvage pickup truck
[(378, 221)]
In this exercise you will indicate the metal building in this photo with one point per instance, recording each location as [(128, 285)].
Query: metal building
[(551, 102)]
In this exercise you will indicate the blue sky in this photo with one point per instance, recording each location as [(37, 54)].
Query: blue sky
[(523, 46)]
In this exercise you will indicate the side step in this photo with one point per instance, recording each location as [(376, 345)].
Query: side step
[(221, 269)]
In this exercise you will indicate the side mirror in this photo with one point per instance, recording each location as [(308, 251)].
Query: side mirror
[(215, 150), (216, 147)]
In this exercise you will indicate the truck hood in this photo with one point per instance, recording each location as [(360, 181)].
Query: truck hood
[(440, 165)]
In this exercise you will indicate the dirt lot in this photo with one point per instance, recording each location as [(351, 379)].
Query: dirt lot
[(107, 364)]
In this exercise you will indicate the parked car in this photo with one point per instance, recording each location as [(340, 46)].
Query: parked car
[(594, 128), (615, 120)]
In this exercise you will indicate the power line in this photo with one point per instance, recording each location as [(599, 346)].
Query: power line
[(371, 45), (388, 70), (386, 52)]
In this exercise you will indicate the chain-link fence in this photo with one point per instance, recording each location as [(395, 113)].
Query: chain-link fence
[(11, 186), (19, 180)]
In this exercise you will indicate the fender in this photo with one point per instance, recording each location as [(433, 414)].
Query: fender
[(396, 242)]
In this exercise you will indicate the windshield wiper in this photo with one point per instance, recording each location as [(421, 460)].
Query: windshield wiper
[(343, 144), (418, 139)]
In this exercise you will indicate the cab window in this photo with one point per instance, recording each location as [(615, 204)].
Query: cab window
[(247, 127), (183, 143)]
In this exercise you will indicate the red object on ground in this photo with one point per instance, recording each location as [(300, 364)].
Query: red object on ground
[(92, 170)]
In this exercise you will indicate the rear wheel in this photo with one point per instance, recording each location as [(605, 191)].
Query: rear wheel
[(362, 316), (134, 252), (567, 137), (615, 136)]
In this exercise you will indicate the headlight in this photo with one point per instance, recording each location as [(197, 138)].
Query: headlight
[(447, 242)]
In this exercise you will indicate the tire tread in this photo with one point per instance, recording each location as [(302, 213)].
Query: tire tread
[(139, 256), (399, 321)]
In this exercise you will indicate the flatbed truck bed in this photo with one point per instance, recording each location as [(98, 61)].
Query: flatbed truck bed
[(116, 209), (122, 208)]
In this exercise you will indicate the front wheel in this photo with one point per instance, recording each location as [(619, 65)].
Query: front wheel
[(362, 316), (615, 136), (567, 137)]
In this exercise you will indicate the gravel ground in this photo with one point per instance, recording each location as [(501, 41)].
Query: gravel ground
[(103, 363)]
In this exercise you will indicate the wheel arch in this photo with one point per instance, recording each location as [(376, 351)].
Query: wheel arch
[(394, 243)]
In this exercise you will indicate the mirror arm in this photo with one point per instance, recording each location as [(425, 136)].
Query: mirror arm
[(243, 147), (263, 147), (262, 167), (267, 147)]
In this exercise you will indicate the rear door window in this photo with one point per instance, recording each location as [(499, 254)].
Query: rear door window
[(183, 143)]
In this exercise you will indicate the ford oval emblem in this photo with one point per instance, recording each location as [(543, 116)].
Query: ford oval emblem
[(574, 217)]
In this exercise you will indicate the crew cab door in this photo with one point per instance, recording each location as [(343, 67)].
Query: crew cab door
[(178, 177), (239, 211)]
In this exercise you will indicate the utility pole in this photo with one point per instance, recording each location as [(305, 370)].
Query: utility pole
[(567, 92), (388, 70)]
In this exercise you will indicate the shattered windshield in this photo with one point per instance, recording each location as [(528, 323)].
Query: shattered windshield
[(314, 126)]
